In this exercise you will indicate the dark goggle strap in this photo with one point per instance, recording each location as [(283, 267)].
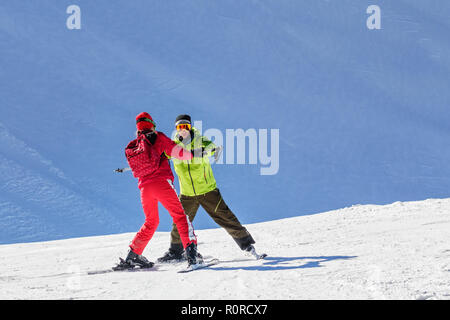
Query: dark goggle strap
[(146, 119)]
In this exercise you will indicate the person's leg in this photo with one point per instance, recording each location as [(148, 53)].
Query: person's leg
[(216, 207), (150, 207), (167, 195), (190, 206)]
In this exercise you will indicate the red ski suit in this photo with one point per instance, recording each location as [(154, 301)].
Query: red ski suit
[(158, 187)]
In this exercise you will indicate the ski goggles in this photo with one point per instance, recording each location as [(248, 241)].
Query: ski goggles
[(183, 126)]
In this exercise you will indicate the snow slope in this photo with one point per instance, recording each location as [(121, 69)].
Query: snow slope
[(396, 251)]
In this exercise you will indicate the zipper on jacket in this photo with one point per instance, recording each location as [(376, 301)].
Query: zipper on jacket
[(204, 174), (190, 176)]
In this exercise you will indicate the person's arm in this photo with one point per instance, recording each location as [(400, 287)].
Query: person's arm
[(173, 150), (209, 148)]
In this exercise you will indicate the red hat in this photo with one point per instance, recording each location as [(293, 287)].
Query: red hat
[(144, 121)]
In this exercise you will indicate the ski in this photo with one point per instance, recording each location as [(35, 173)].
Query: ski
[(119, 270), (124, 266), (204, 264), (261, 256), (252, 252)]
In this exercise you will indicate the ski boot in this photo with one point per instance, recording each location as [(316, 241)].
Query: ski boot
[(193, 257), (250, 251), (172, 256), (133, 260)]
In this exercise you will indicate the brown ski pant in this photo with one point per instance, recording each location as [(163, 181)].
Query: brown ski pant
[(218, 210)]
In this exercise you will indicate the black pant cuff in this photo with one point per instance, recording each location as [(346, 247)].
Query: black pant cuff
[(176, 247), (243, 243)]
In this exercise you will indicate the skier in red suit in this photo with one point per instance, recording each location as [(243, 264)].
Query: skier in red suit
[(148, 159)]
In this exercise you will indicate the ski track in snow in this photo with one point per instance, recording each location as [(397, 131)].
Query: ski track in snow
[(20, 149), (396, 251)]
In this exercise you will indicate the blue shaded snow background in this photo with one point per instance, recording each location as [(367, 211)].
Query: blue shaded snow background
[(363, 115)]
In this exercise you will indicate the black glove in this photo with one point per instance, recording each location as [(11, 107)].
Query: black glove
[(217, 153), (151, 136)]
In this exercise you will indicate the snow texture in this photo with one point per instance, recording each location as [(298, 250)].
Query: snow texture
[(395, 251)]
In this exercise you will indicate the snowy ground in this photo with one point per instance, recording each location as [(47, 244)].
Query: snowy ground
[(397, 251)]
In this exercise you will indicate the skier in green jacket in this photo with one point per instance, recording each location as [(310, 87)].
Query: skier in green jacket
[(198, 188)]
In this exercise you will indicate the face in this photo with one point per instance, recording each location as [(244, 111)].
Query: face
[(138, 132), (183, 133), (183, 130)]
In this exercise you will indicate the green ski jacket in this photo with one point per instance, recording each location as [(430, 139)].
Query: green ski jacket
[(195, 176)]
